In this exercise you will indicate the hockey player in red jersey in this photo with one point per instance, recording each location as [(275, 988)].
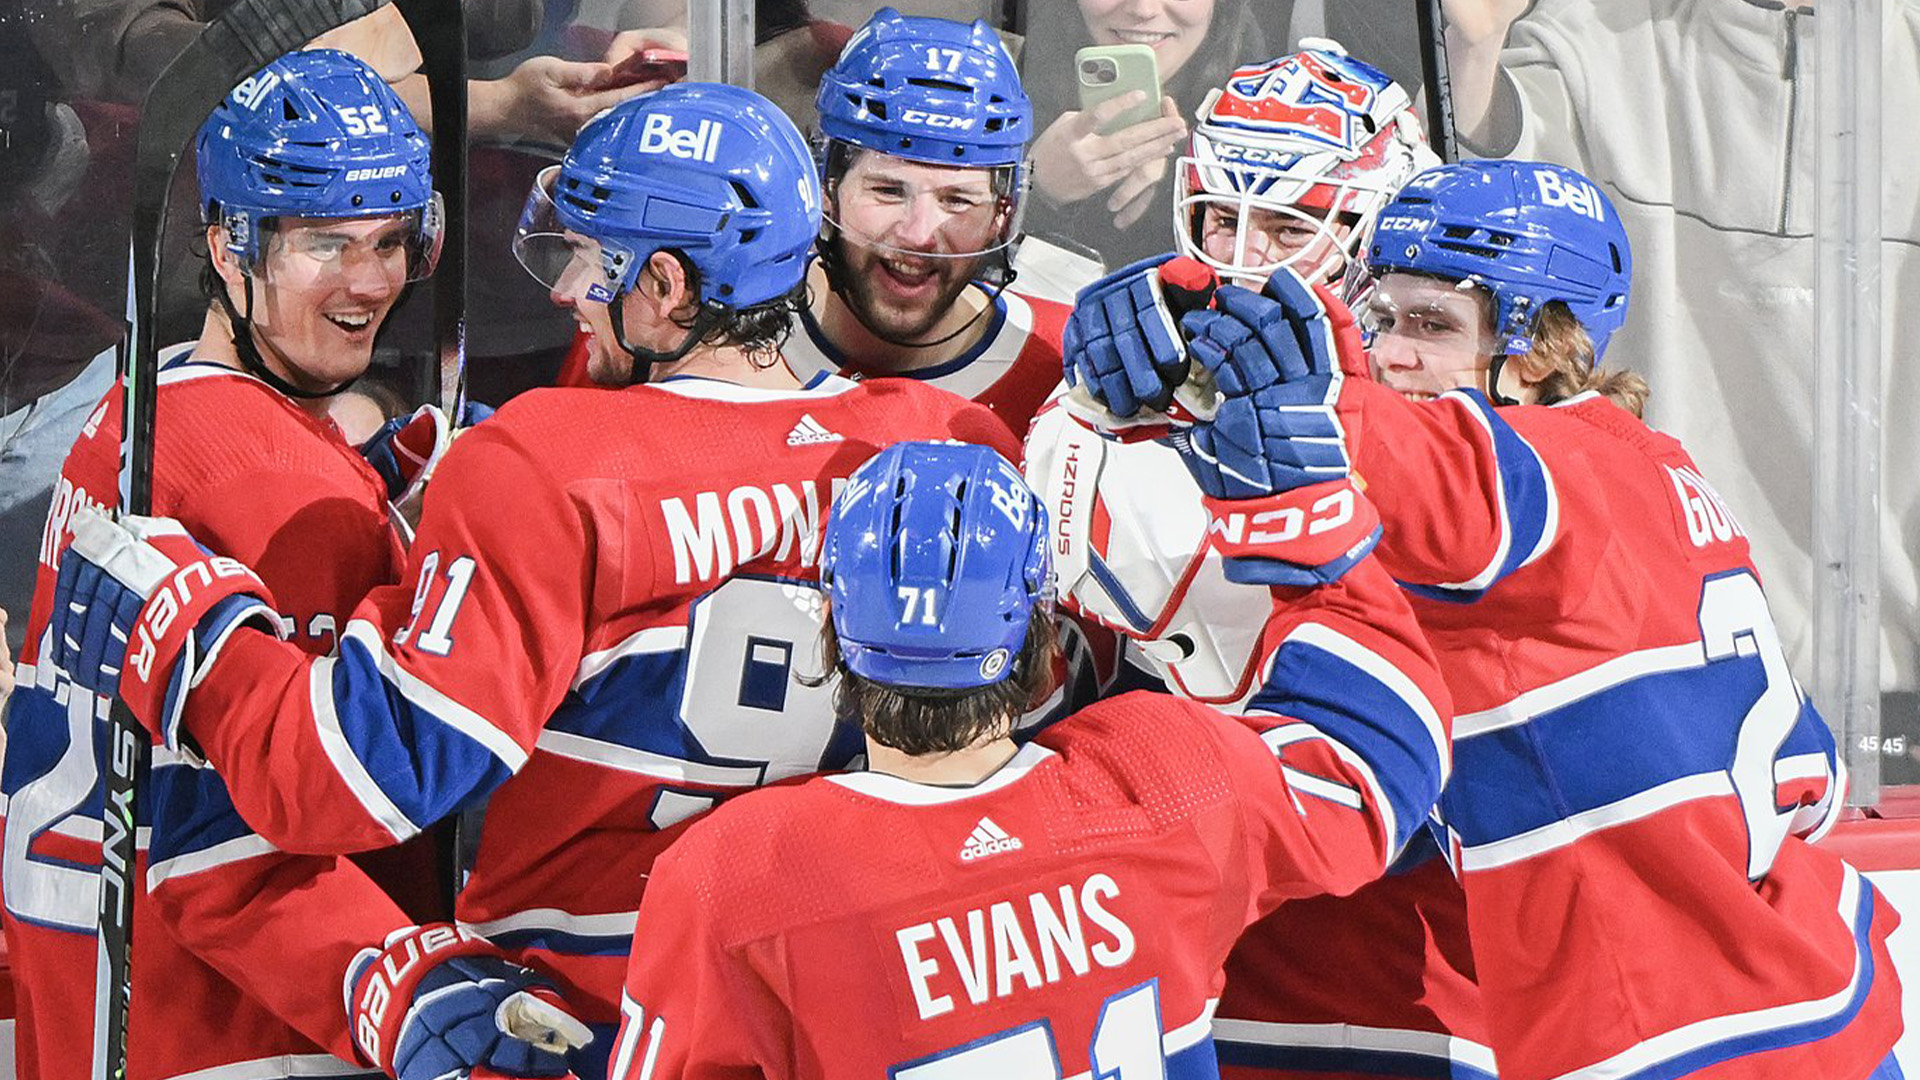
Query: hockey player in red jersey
[(608, 591), (1638, 777), (1023, 912), (300, 280), (1291, 163), (925, 129)]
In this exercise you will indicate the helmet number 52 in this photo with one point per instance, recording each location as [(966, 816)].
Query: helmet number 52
[(363, 119)]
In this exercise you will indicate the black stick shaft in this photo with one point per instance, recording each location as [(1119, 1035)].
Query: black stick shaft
[(1433, 74)]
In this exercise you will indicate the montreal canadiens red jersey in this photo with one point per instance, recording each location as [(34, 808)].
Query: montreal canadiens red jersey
[(1378, 983), (610, 596), (1637, 773), (239, 948), (1066, 915), (1012, 370)]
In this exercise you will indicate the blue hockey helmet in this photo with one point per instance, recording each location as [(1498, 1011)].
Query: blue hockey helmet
[(934, 557), (315, 134), (1528, 232), (715, 172), (929, 90)]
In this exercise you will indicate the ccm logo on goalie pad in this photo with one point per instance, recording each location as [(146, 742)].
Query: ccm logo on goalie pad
[(190, 589)]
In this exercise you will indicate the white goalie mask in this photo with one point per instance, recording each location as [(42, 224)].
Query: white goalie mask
[(1291, 163)]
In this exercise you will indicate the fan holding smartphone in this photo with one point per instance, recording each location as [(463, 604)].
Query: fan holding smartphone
[(1111, 82)]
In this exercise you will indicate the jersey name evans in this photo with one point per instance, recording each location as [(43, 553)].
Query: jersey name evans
[(715, 534), (1037, 942)]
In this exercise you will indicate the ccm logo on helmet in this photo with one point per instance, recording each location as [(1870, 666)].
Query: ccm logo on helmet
[(922, 116), (659, 136), (384, 172), (1253, 155), (1579, 197)]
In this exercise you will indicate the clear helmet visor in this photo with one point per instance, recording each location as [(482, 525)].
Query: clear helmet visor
[(298, 262), (570, 264), (899, 207), (362, 253)]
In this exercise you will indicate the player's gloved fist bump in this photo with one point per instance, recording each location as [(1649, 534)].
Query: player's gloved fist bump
[(1122, 343), (141, 609), (1299, 538), (1276, 365), (406, 448), (441, 1001)]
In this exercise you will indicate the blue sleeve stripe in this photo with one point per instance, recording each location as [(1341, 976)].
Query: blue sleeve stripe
[(1366, 706), (410, 754), (192, 808), (1374, 668), (195, 826), (1529, 506)]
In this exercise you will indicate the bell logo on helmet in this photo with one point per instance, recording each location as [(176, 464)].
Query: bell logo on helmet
[(1579, 196), (250, 91), (659, 136), (933, 119)]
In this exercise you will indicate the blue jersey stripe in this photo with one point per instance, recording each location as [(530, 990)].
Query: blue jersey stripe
[(423, 764), (1529, 505), (193, 812), (1350, 706), (1624, 740)]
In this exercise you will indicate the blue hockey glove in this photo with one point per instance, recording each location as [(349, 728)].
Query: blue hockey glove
[(440, 1001), (406, 448), (1274, 360), (141, 610), (1122, 343), (1273, 460)]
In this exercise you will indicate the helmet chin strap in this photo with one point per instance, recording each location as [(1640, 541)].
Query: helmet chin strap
[(1495, 366), (709, 316), (249, 351)]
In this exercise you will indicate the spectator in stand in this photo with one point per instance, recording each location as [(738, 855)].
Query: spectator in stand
[(1110, 192)]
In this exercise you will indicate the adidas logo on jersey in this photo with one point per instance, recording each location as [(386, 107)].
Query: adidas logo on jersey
[(988, 839), (808, 432)]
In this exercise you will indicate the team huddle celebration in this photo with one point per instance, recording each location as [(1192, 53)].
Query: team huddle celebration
[(1294, 657)]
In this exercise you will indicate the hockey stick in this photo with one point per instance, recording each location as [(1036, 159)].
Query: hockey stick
[(439, 29), (244, 38), (1435, 80)]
